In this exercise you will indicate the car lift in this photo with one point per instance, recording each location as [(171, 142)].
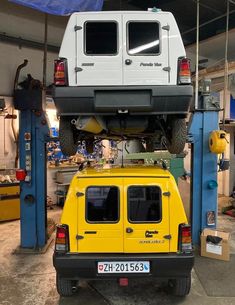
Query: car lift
[(204, 164), (34, 133)]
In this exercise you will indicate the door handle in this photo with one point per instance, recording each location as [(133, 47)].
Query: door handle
[(128, 62), (90, 232), (129, 230)]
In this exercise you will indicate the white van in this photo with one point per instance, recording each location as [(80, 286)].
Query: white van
[(122, 74)]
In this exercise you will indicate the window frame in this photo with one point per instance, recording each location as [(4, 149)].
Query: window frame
[(143, 21), (84, 37), (128, 205), (86, 205)]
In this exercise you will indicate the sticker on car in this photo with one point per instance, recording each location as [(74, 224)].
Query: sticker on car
[(123, 267)]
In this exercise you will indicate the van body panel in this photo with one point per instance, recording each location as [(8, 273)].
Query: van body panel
[(70, 216), (177, 216), (98, 69), (69, 39), (111, 70), (99, 236), (145, 69), (143, 228), (146, 237)]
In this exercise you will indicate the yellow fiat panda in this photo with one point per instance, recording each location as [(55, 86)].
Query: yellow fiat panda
[(123, 223)]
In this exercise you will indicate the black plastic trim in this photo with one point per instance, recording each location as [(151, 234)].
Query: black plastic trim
[(78, 266), (172, 99)]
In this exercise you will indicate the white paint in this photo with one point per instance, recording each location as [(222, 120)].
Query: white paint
[(106, 69), (112, 70), (215, 249)]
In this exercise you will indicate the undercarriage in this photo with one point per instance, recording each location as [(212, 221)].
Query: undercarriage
[(167, 131)]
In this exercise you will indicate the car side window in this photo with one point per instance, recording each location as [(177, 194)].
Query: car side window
[(143, 38), (101, 38), (144, 204), (102, 204)]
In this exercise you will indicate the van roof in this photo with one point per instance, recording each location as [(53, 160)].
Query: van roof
[(127, 171), (121, 13)]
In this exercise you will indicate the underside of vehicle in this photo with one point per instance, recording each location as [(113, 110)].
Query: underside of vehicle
[(163, 131)]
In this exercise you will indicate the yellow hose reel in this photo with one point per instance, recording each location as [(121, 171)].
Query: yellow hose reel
[(217, 141)]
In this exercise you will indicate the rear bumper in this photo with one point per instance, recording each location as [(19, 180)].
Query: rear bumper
[(135, 99), (78, 266)]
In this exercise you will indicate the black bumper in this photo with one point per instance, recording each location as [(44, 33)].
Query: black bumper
[(81, 266), (149, 100)]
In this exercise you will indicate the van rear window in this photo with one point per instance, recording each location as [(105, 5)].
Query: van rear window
[(102, 204), (143, 38), (101, 38), (144, 204)]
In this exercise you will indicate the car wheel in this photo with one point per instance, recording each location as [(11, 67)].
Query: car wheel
[(66, 137), (180, 287), (64, 286), (176, 139)]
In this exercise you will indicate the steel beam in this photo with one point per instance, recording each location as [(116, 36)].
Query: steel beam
[(203, 171), (33, 134)]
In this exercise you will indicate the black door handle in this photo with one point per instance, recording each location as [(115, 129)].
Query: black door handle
[(128, 62), (129, 230)]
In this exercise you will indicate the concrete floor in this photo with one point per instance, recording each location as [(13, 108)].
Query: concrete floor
[(30, 280)]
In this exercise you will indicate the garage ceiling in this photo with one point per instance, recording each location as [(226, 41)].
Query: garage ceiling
[(185, 14)]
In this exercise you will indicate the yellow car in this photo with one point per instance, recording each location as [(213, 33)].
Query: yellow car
[(123, 223)]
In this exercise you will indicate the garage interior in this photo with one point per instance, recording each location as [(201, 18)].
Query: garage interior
[(27, 276)]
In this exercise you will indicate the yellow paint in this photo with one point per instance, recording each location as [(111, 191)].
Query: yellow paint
[(217, 141), (92, 125), (9, 208), (112, 237)]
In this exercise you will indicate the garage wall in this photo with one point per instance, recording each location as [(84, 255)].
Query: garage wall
[(7, 143), (22, 22), (12, 56)]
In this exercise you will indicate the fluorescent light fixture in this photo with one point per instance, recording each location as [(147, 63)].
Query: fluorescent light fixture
[(144, 47)]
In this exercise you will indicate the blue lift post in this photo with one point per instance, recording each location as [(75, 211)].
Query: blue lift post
[(34, 133), (204, 166)]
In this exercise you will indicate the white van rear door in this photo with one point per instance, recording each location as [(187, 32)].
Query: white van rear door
[(145, 50), (99, 52)]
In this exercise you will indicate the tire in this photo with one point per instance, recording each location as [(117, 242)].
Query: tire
[(180, 287), (66, 137), (64, 286), (175, 142)]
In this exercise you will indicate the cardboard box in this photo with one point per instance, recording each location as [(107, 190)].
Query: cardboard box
[(217, 251)]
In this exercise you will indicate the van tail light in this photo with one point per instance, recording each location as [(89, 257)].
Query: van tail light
[(185, 238), (62, 239), (184, 74), (60, 72)]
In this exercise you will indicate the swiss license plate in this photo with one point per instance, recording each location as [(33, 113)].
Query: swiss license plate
[(123, 267)]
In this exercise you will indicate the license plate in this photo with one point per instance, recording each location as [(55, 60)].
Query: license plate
[(123, 267)]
